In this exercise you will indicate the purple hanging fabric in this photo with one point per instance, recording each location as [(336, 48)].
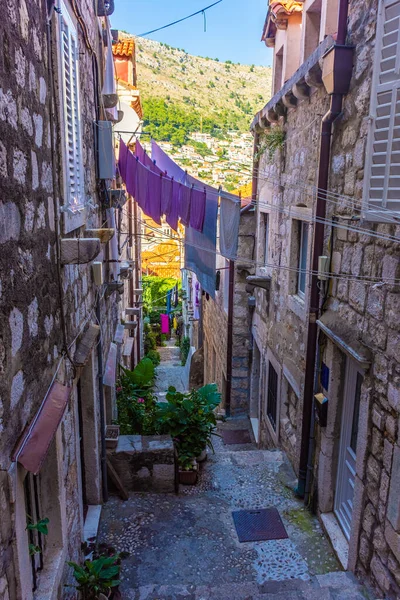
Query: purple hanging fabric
[(130, 175), (139, 152), (197, 209), (166, 194), (123, 155), (173, 211), (184, 204), (142, 185), (153, 203)]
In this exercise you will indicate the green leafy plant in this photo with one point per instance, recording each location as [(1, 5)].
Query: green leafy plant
[(190, 420), (274, 139), (39, 527), (135, 399), (99, 573), (185, 349), (154, 356)]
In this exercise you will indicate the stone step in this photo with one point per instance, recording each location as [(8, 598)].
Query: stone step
[(332, 586)]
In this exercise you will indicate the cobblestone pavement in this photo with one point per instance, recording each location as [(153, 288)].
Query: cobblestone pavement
[(186, 548), (170, 370)]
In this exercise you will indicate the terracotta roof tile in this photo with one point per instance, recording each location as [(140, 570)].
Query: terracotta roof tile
[(125, 47)]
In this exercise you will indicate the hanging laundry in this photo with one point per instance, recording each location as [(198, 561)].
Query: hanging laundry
[(229, 225), (142, 181), (153, 203), (200, 247), (175, 296), (197, 209), (196, 298), (166, 194), (167, 165), (185, 196), (169, 299), (172, 215), (123, 156), (164, 324), (131, 173), (145, 158)]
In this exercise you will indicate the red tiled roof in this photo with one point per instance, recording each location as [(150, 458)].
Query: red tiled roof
[(125, 47)]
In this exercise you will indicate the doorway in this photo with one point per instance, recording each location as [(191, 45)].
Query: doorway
[(348, 446), (255, 391)]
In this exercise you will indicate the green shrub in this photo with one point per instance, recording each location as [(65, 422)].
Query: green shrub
[(136, 402), (185, 348), (154, 356)]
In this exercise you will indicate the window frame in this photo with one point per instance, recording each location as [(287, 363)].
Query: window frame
[(73, 216), (378, 215), (301, 252)]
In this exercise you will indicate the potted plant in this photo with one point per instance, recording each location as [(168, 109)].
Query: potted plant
[(98, 577), (190, 420), (112, 435)]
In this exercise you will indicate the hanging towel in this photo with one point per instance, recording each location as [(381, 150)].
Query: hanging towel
[(197, 209), (172, 214), (123, 156), (166, 164), (175, 296), (153, 203), (229, 225), (164, 324), (131, 172), (169, 297), (200, 248), (109, 84), (184, 204), (196, 296), (166, 194), (142, 181)]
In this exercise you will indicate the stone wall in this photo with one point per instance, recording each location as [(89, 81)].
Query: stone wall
[(366, 313), (215, 324), (31, 337)]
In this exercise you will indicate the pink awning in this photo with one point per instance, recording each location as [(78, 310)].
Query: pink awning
[(32, 449)]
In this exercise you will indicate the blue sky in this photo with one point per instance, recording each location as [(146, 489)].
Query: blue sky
[(233, 33)]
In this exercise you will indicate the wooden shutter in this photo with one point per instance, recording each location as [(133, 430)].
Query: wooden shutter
[(74, 178), (382, 185)]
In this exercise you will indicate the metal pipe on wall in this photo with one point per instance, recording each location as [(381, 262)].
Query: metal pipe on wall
[(103, 455), (333, 113), (229, 349)]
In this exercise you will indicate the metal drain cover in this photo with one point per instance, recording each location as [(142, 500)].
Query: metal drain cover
[(259, 525), (236, 436)]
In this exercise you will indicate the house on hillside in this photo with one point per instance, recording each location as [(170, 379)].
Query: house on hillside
[(325, 377), (60, 287)]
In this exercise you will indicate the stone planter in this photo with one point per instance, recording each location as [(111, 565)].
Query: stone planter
[(112, 435)]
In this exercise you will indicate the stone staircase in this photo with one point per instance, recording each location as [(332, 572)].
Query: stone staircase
[(331, 586)]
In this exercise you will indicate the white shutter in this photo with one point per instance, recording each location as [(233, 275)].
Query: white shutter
[(74, 176), (382, 182)]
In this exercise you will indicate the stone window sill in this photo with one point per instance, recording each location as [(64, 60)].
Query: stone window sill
[(297, 305)]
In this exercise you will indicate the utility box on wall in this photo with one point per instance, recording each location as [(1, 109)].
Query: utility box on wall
[(321, 409), (105, 148)]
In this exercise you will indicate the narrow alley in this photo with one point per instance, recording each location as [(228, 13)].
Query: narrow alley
[(186, 547)]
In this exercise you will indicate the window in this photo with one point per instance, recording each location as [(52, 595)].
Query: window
[(266, 236), (302, 264), (382, 182), (312, 22), (35, 538), (278, 70), (272, 397), (74, 189)]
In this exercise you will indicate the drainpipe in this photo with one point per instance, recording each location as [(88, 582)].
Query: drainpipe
[(305, 468), (230, 338), (102, 413), (137, 238)]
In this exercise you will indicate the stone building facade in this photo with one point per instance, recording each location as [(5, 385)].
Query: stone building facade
[(354, 435), (215, 324), (58, 312)]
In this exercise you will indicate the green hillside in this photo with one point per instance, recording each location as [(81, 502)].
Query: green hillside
[(182, 93)]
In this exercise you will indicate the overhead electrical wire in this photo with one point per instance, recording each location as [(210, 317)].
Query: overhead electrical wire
[(199, 12)]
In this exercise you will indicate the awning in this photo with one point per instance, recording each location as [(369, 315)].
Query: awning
[(344, 336), (32, 449)]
